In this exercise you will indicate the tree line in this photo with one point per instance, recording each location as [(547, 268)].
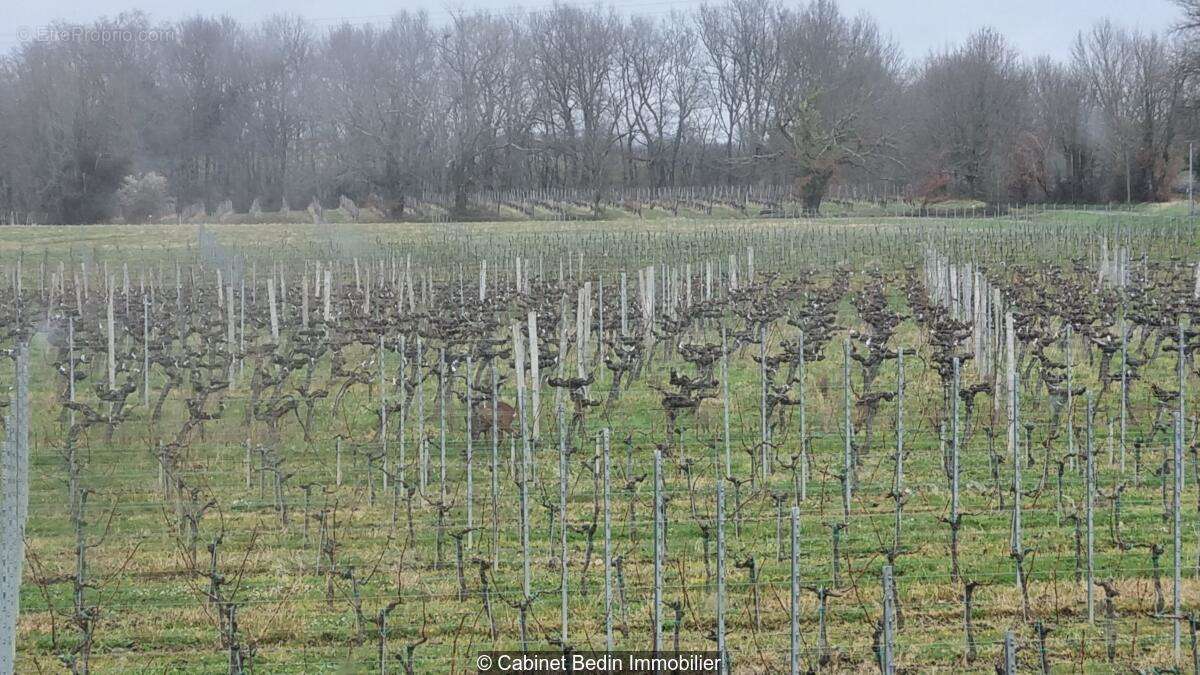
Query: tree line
[(744, 92)]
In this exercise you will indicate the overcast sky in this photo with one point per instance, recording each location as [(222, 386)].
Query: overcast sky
[(1033, 26)]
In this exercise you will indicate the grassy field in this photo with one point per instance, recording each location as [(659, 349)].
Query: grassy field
[(311, 579)]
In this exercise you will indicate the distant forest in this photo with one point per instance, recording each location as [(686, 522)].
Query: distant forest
[(742, 93)]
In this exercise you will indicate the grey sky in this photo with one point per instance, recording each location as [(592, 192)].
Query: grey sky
[(919, 26)]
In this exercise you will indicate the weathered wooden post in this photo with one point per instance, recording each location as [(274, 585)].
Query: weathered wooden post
[(887, 664), (1010, 653)]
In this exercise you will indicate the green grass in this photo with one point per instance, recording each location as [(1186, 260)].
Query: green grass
[(154, 617)]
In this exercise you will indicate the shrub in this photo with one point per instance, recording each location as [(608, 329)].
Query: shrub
[(144, 198)]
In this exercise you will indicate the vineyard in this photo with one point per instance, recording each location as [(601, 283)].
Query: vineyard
[(916, 444)]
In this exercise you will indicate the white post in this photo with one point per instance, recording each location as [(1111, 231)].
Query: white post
[(274, 311), (112, 345), (795, 589), (146, 350), (1177, 531), (14, 509), (535, 380), (1191, 180)]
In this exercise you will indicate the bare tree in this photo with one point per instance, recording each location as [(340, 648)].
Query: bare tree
[(741, 42), (1061, 112), (835, 78), (1135, 81), (444, 117), (972, 104), (575, 74), (482, 55)]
